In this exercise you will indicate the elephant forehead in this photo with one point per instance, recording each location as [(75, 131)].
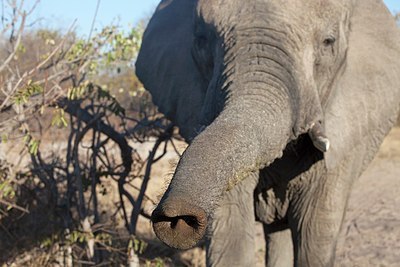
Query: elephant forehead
[(218, 12)]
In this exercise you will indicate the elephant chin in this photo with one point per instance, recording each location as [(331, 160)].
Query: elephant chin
[(179, 224)]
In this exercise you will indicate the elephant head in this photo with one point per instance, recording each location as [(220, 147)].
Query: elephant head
[(242, 79)]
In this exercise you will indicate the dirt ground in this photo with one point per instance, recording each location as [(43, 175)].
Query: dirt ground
[(370, 234)]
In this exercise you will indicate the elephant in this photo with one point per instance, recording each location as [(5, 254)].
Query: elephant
[(283, 104)]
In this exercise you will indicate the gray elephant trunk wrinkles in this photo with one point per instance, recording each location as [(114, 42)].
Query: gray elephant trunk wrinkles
[(257, 57), (236, 143), (252, 59)]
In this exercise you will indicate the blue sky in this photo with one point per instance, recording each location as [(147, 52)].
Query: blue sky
[(60, 14)]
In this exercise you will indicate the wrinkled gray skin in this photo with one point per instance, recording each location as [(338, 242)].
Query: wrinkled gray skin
[(258, 88)]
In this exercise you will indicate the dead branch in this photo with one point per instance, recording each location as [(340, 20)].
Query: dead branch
[(137, 207)]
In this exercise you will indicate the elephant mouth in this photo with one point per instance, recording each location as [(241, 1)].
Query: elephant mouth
[(179, 224)]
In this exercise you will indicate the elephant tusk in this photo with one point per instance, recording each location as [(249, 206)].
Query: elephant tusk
[(321, 143), (318, 137)]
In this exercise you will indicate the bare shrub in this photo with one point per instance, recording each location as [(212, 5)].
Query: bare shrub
[(78, 113)]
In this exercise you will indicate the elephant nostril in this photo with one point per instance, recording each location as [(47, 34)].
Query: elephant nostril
[(174, 223), (190, 221), (179, 224)]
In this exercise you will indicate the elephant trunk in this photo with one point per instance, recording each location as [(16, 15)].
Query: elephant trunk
[(243, 139), (249, 134)]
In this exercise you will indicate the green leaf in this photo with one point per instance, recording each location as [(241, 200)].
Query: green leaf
[(59, 119), (23, 95), (76, 93), (26, 138), (159, 262), (2, 185), (138, 245), (31, 143), (4, 138), (33, 146)]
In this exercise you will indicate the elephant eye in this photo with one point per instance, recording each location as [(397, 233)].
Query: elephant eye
[(329, 41)]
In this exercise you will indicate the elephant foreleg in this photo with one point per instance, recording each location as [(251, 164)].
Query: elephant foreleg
[(279, 248), (232, 236), (316, 216)]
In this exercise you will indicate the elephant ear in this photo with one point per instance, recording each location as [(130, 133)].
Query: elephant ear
[(366, 99), (166, 67)]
